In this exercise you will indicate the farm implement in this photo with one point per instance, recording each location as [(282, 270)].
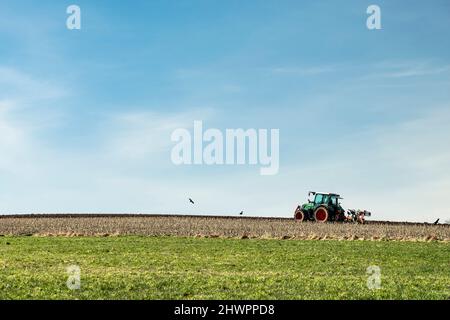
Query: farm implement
[(327, 207)]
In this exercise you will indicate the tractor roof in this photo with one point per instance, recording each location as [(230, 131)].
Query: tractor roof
[(325, 193)]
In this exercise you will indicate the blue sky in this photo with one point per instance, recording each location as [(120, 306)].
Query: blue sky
[(86, 115)]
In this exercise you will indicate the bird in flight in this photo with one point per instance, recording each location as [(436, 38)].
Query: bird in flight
[(436, 222), (241, 213), (191, 201)]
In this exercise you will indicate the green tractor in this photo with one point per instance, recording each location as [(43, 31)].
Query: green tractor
[(324, 207)]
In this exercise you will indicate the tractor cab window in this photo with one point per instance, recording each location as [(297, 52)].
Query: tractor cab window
[(318, 199), (334, 201)]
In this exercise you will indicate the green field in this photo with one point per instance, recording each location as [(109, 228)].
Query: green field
[(131, 267)]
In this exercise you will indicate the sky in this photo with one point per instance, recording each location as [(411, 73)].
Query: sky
[(86, 115)]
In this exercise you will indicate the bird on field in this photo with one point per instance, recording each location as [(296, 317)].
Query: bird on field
[(241, 213), (191, 201), (436, 222)]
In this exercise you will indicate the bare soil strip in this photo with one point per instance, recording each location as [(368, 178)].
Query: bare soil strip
[(215, 226)]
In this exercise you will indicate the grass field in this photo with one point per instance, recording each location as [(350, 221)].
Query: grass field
[(137, 267)]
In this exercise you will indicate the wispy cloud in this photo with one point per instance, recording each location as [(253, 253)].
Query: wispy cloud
[(25, 112), (20, 86), (302, 71), (12, 135), (8, 132), (413, 69), (136, 135)]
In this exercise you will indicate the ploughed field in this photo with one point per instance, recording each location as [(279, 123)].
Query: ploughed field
[(214, 227)]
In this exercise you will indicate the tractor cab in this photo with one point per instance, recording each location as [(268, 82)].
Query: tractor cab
[(321, 198)]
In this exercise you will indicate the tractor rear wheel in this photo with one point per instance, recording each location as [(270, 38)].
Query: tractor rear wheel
[(321, 214), (299, 215)]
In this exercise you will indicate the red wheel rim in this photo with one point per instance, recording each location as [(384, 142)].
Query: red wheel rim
[(321, 215), (299, 215)]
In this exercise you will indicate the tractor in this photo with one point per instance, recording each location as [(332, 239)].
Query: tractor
[(326, 207)]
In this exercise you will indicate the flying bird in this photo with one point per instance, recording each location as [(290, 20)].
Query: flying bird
[(241, 213), (436, 222), (191, 201)]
